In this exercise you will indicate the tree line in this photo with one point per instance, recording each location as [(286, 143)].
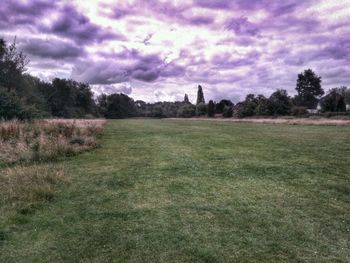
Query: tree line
[(23, 96)]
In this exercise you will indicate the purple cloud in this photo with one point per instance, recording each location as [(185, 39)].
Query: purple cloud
[(75, 26), (163, 48), (201, 20), (214, 4), (24, 13), (55, 49), (226, 61), (147, 68), (241, 26)]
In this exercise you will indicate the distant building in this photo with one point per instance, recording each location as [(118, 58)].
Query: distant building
[(317, 109), (312, 111)]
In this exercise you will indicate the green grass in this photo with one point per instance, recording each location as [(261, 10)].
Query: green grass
[(181, 191)]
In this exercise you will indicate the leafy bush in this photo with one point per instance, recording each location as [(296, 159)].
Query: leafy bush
[(243, 109), (219, 107), (186, 111)]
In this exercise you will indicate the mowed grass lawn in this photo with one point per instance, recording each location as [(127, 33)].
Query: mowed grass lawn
[(196, 191)]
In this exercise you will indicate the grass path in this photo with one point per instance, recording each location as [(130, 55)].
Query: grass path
[(176, 191)]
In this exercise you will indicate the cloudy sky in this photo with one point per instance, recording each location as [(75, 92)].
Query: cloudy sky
[(160, 49)]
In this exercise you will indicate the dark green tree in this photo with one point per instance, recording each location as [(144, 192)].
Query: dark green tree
[(211, 108), (200, 95), (10, 105), (263, 106), (227, 112), (186, 100), (70, 99), (247, 107), (346, 95), (12, 65), (102, 104), (186, 111), (280, 102), (334, 101), (201, 109), (219, 107), (120, 106), (309, 89)]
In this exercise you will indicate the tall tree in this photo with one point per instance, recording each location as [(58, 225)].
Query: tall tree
[(12, 65), (120, 106), (211, 108), (200, 95), (280, 102), (334, 100), (186, 100), (263, 106), (308, 88)]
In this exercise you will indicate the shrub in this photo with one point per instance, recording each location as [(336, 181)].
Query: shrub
[(186, 111), (244, 110)]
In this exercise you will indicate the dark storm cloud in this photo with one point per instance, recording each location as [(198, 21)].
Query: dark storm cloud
[(50, 48), (172, 70), (232, 46), (14, 12), (147, 68), (75, 26)]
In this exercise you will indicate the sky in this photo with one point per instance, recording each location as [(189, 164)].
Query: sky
[(158, 50)]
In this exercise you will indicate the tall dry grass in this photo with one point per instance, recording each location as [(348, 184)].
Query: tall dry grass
[(47, 139), (25, 186), (23, 190)]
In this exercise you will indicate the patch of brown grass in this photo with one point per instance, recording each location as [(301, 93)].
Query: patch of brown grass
[(47, 139), (25, 189), (29, 184)]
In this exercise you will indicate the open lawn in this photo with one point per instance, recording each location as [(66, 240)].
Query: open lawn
[(181, 191)]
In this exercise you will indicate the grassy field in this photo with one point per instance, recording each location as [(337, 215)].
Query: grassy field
[(180, 191)]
